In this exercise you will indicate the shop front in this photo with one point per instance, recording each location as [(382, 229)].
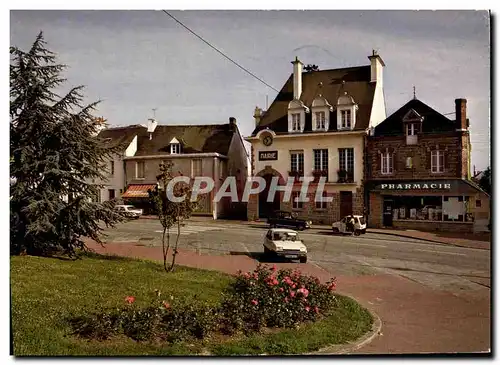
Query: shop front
[(435, 205)]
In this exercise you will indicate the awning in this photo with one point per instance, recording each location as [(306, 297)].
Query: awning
[(138, 191)]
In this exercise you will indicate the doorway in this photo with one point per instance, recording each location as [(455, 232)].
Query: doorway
[(345, 203), (387, 214), (266, 208)]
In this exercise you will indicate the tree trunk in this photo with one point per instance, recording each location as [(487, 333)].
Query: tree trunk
[(165, 250), (174, 254)]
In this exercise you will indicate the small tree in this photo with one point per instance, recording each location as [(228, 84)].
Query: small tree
[(171, 213), (485, 181)]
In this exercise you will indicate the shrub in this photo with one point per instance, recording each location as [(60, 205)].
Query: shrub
[(265, 297)]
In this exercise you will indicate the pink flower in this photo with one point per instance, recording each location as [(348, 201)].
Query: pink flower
[(292, 293), (316, 309), (282, 290), (246, 275), (286, 300), (255, 301), (275, 268), (255, 276), (130, 300), (294, 286), (303, 291), (307, 308), (166, 304)]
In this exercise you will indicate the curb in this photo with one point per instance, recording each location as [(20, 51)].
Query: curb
[(351, 347), (427, 240)]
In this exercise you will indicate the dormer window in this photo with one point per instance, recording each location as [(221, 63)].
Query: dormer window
[(411, 129), (296, 116), (320, 120), (412, 122), (345, 119), (175, 146), (321, 109), (346, 112)]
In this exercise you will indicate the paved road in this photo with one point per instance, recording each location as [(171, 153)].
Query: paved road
[(439, 266)]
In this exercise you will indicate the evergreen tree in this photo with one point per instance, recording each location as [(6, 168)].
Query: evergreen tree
[(55, 159), (485, 181)]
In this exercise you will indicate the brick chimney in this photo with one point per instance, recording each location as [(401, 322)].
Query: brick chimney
[(232, 123), (297, 78), (462, 123)]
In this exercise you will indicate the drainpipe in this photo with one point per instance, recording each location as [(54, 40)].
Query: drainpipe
[(216, 188)]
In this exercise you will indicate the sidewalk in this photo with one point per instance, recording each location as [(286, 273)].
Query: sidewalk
[(415, 318)]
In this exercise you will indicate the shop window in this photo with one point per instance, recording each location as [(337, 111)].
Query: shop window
[(427, 208), (478, 203), (454, 209)]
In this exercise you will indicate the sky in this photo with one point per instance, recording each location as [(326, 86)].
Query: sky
[(137, 61)]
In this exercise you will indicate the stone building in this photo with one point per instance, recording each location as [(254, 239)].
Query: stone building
[(418, 172), (316, 128)]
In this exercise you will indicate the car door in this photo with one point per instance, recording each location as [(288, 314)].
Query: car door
[(342, 227)]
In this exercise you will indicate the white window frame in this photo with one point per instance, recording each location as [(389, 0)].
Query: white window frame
[(137, 163), (386, 163), (175, 148), (409, 162), (343, 159), (411, 129), (437, 162), (320, 120), (296, 122), (320, 159), (346, 119), (296, 155)]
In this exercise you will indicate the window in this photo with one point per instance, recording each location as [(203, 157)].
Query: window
[(112, 168), (111, 193), (296, 122), (409, 162), (478, 203), (321, 204), (139, 170), (321, 159), (346, 119), (411, 129), (346, 159), (175, 148), (437, 161), (297, 161), (387, 163), (320, 120), (422, 208), (196, 167), (296, 204)]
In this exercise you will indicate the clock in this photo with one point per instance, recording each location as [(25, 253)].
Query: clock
[(268, 140)]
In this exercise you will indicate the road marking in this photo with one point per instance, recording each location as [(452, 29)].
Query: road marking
[(443, 252), (191, 230)]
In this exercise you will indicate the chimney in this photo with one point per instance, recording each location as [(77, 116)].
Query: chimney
[(152, 123), (232, 123), (461, 120), (257, 114), (297, 78), (376, 68)]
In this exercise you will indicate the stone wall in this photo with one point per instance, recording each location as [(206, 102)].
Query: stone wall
[(434, 226)]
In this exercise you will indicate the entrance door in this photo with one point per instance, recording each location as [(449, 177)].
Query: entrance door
[(267, 208), (387, 219), (345, 203)]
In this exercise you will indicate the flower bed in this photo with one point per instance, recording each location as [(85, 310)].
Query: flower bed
[(264, 298)]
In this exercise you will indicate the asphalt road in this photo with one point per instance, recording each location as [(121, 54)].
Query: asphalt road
[(438, 266)]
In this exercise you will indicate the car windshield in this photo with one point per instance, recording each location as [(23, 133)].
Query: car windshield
[(285, 236), (361, 220)]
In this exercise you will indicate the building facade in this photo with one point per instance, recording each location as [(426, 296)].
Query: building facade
[(316, 127), (214, 150), (418, 172)]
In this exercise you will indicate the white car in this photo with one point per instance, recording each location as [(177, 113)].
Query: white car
[(285, 243), (359, 225), (129, 210)]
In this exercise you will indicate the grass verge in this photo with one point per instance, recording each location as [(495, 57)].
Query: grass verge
[(46, 291)]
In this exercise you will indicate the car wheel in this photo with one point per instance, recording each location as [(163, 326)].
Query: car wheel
[(357, 232), (301, 228), (303, 260), (335, 230)]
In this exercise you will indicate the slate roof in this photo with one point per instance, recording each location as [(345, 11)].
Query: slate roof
[(433, 122), (193, 138), (121, 135), (357, 84)]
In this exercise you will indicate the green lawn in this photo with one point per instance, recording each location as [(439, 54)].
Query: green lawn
[(46, 291)]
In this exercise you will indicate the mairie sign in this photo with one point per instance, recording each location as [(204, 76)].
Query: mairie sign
[(268, 155)]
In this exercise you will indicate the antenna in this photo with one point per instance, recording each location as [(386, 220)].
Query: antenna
[(267, 102), (414, 93)]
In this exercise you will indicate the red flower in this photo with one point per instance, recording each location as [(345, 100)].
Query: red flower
[(292, 293), (255, 301), (130, 300), (303, 291), (275, 268), (307, 308), (246, 275), (255, 275), (282, 290), (166, 304)]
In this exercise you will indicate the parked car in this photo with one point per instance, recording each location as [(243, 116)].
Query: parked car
[(359, 225), (283, 218), (285, 243), (129, 211)]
